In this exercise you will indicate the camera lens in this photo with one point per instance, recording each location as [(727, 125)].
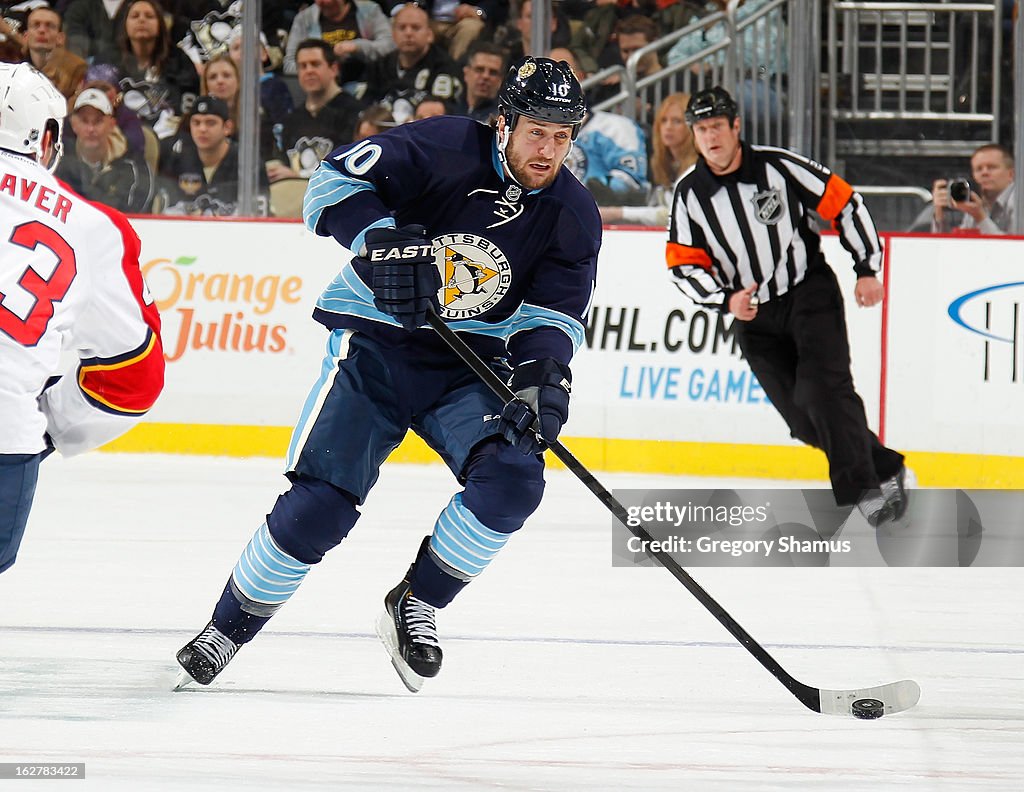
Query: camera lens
[(959, 190)]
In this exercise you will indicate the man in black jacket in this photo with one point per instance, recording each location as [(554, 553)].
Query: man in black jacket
[(325, 120)]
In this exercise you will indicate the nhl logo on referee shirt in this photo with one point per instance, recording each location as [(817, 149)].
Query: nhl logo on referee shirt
[(768, 206)]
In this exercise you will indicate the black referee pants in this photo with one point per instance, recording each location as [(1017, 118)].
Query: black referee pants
[(798, 348)]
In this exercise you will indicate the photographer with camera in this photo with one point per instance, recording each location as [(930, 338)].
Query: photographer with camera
[(989, 210)]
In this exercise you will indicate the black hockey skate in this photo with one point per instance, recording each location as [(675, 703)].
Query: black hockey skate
[(895, 491), (204, 657), (875, 507), (406, 628)]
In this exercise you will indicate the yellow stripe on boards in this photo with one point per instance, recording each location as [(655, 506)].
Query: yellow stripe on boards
[(662, 457)]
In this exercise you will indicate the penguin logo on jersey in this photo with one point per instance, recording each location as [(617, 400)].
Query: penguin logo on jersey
[(768, 206), (305, 156), (475, 275)]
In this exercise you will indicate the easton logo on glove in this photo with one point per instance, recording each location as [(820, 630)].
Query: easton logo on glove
[(404, 277), (408, 252)]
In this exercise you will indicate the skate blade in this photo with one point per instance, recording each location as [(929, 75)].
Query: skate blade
[(385, 629), (184, 680)]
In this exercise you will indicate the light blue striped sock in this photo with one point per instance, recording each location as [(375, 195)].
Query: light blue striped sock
[(265, 574), (462, 543)]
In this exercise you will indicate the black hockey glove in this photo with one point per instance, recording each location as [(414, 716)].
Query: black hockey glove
[(405, 280), (542, 390)]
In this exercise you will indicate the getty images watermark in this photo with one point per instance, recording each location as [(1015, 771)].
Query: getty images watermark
[(789, 528)]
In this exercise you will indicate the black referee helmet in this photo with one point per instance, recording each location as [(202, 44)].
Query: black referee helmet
[(709, 103), (542, 89)]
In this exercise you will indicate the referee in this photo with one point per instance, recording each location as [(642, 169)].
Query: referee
[(741, 239)]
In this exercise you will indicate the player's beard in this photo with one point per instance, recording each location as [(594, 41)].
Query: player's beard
[(530, 180)]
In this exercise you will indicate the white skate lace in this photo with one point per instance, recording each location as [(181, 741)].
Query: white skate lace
[(215, 646), (419, 621)]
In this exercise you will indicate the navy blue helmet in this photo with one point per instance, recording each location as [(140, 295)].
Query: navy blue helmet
[(544, 90)]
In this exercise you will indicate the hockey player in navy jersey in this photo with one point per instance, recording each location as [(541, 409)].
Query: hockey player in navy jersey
[(483, 226)]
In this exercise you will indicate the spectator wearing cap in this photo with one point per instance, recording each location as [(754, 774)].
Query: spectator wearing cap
[(324, 121), (200, 177), (45, 49), (107, 78), (97, 162), (356, 30), (417, 68)]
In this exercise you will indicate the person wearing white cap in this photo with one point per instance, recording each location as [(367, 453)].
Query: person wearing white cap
[(98, 164)]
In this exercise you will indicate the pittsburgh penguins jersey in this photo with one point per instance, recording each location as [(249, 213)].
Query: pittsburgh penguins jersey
[(306, 138), (70, 281), (754, 225), (517, 267)]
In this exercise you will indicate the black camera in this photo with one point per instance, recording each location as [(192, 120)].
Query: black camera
[(959, 190)]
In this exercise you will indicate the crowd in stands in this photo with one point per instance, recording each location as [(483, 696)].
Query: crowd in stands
[(154, 88)]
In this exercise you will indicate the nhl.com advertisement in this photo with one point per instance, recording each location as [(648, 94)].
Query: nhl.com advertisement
[(654, 366)]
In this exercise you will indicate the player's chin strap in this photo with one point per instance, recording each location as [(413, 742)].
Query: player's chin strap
[(504, 133)]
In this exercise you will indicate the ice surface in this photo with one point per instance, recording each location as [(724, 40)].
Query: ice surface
[(561, 672)]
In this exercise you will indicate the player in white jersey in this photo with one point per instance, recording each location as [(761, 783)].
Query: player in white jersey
[(69, 281)]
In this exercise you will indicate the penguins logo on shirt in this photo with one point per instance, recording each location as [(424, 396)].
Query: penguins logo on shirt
[(145, 99), (475, 275), (307, 152)]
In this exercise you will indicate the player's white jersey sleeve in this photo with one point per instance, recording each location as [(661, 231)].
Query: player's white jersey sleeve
[(70, 279)]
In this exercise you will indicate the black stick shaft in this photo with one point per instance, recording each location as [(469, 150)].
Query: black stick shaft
[(808, 696)]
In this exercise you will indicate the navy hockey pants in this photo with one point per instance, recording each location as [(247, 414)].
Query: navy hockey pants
[(18, 475), (358, 412)]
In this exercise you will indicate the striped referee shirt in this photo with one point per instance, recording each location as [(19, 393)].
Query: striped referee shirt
[(753, 226)]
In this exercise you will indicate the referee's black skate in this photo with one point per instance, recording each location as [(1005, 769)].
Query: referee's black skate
[(895, 491), (875, 508), (204, 657), (406, 628)]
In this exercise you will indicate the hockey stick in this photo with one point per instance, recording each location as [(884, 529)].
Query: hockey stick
[(870, 702)]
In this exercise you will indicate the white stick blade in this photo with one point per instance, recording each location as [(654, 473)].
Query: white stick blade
[(896, 697)]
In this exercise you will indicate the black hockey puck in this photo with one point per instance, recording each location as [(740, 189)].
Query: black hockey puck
[(868, 709)]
